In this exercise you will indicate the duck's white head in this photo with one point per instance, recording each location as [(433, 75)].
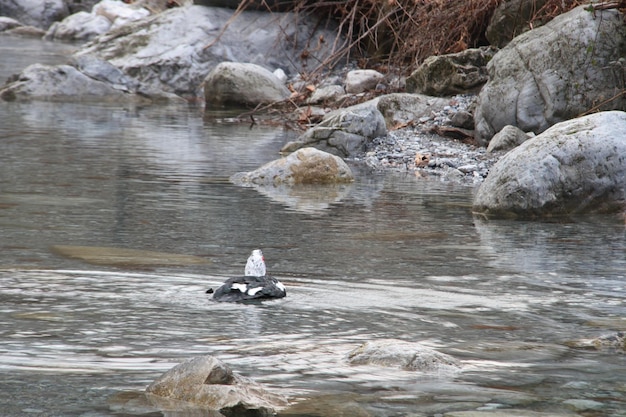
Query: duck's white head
[(255, 267)]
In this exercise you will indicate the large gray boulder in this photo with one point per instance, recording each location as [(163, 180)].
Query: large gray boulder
[(554, 73), (574, 167), (176, 49), (37, 13), (343, 133), (242, 84), (447, 75), (305, 166), (207, 382), (88, 79)]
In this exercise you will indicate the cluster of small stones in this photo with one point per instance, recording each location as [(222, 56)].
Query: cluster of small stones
[(416, 149)]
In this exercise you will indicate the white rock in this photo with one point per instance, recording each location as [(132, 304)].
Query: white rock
[(358, 81)]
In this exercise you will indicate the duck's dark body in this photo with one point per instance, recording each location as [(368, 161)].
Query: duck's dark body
[(250, 288)]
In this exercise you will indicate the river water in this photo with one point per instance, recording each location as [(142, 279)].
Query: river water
[(391, 256)]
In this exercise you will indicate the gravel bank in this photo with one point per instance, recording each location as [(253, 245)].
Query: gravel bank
[(416, 149)]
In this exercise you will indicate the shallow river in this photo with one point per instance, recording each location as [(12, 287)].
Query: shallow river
[(388, 257)]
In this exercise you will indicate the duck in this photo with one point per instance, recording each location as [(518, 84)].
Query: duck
[(254, 285)]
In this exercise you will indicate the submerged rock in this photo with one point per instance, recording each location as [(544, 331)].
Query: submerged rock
[(126, 257), (305, 166), (574, 167), (405, 355), (207, 382)]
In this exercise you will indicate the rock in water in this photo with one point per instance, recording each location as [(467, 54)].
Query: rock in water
[(205, 381)]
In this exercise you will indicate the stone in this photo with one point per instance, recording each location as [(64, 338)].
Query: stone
[(67, 83), (120, 257), (242, 84), (175, 50), (37, 13), (7, 23), (343, 133), (81, 26), (510, 19), (207, 382), (304, 166), (405, 355), (62, 82), (554, 73), (447, 75), (574, 167), (326, 93), (462, 119), (508, 138), (359, 81), (403, 108)]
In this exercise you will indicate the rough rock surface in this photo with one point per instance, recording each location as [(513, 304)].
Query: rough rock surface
[(508, 138), (554, 73), (575, 166), (208, 382), (175, 50), (44, 82), (105, 16), (447, 75), (37, 13), (403, 108), (405, 355), (89, 79), (242, 84), (305, 166), (343, 133)]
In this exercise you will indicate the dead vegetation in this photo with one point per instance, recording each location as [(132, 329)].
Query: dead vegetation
[(400, 34)]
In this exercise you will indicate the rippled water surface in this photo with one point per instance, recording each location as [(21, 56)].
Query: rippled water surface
[(388, 257)]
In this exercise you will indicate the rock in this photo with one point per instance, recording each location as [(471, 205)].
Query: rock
[(44, 82), (403, 108), (327, 93), (176, 49), (106, 15), (405, 355), (103, 71), (37, 13), (67, 83), (80, 26), (343, 133), (359, 81), (574, 167), (26, 32), (462, 119), (126, 257), (508, 138), (554, 73), (610, 342), (509, 412), (447, 75), (206, 381), (239, 84), (305, 166), (7, 23), (510, 19)]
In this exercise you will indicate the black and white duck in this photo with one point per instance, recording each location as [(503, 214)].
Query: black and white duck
[(254, 285)]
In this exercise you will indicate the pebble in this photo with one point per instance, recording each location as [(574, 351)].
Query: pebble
[(415, 149)]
